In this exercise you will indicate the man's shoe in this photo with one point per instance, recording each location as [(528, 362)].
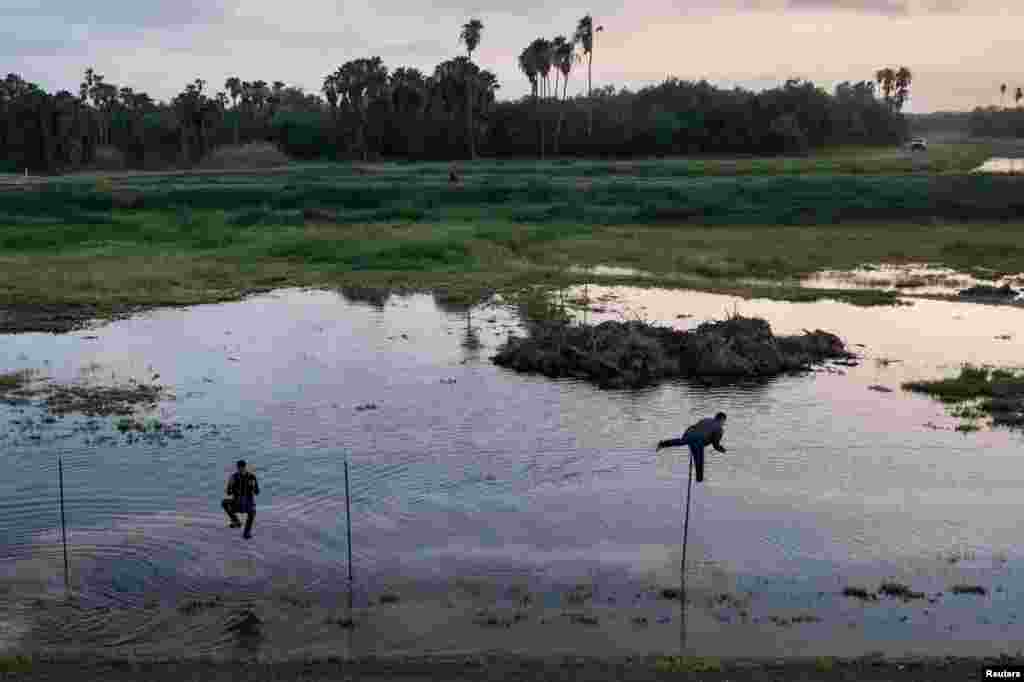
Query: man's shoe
[(247, 536)]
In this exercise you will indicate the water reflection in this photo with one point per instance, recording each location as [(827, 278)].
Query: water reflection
[(913, 278), (500, 475)]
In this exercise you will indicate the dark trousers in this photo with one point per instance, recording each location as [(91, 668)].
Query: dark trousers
[(230, 507), (696, 443)]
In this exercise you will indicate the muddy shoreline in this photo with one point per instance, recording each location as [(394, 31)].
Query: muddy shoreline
[(510, 667)]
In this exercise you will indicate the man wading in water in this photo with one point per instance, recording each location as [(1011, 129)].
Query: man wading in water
[(242, 487), (705, 432)]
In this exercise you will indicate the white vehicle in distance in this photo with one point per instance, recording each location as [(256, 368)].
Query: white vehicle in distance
[(918, 144)]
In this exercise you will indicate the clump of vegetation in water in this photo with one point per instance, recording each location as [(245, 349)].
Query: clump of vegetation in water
[(14, 386), (969, 589), (1000, 392), (636, 354), (859, 593), (893, 589)]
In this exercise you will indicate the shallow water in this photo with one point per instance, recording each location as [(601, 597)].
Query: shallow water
[(499, 476), (912, 278)]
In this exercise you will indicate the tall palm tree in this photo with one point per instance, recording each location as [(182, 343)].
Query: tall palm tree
[(544, 63), (360, 81), (1002, 95), (565, 55), (470, 35), (529, 64), (902, 81), (234, 87), (585, 32), (330, 90), (1017, 97), (887, 79), (409, 97)]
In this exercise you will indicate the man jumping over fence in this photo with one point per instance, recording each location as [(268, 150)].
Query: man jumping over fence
[(242, 487), (703, 433)]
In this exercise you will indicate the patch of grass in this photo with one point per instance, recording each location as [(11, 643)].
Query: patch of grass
[(894, 589), (972, 382), (859, 593), (705, 224), (15, 664), (688, 664)]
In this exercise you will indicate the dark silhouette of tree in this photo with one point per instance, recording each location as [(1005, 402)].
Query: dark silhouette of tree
[(585, 32), (470, 35)]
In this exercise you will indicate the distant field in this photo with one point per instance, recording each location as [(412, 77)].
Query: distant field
[(955, 155), (747, 226)]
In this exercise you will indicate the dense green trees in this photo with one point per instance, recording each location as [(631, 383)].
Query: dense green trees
[(364, 110)]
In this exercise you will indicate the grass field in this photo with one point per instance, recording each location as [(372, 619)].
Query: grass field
[(743, 226)]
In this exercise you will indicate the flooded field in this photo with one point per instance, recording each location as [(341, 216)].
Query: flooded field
[(478, 493), (912, 279)]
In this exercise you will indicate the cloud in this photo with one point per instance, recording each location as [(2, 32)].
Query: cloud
[(886, 7), (118, 13)]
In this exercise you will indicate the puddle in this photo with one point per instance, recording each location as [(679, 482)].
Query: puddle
[(919, 279), (1001, 165), (467, 470)]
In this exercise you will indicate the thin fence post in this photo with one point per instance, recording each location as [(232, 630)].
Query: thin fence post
[(348, 521), (63, 527), (682, 572)]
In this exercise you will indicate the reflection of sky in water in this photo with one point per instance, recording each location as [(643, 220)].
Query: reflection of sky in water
[(912, 279), (501, 471), (1001, 165)]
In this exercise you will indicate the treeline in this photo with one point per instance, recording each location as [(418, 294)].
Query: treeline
[(996, 122), (365, 110)]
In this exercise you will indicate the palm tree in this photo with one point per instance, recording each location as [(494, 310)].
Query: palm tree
[(1002, 95), (1017, 97), (330, 90), (585, 32), (887, 79), (529, 65), (557, 45), (409, 97), (359, 82), (902, 81), (470, 35), (565, 55), (540, 52), (234, 87)]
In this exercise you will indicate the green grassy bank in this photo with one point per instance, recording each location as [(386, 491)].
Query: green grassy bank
[(181, 239)]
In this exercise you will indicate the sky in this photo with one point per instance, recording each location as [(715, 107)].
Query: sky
[(959, 51)]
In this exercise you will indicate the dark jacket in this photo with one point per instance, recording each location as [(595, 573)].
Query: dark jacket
[(710, 428), (243, 486), (708, 432)]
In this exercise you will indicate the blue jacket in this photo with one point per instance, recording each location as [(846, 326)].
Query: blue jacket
[(705, 432), (243, 486)]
